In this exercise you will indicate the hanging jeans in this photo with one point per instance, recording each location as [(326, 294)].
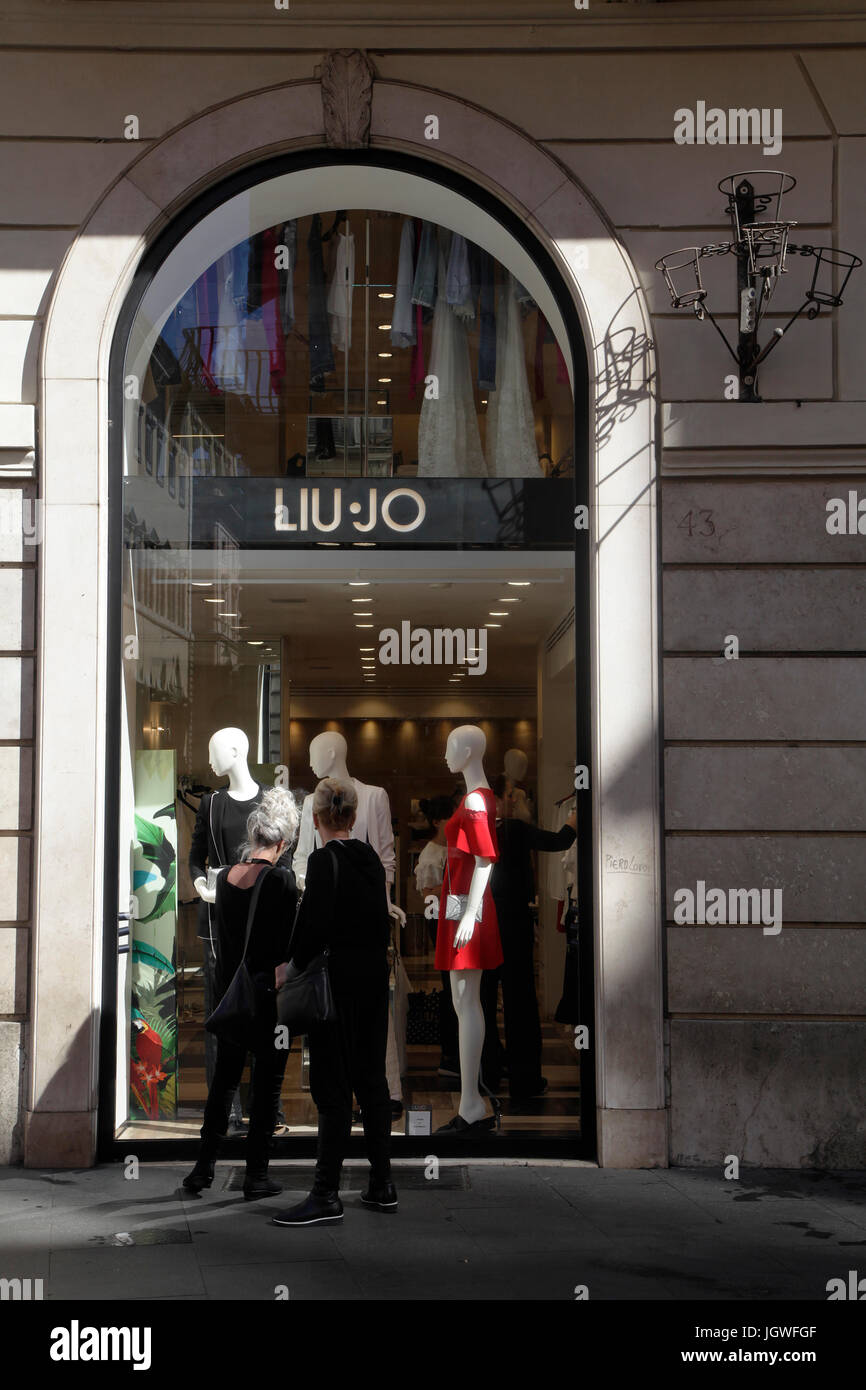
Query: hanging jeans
[(424, 285), (349, 1055), (487, 344), (286, 276), (321, 351)]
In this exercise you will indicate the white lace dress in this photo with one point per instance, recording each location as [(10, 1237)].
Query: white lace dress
[(449, 444), (511, 447)]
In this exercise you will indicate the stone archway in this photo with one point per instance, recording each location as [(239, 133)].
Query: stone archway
[(60, 1117)]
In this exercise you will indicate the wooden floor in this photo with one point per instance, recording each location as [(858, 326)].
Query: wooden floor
[(557, 1112)]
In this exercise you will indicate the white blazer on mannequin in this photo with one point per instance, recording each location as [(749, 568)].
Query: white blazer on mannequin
[(372, 823)]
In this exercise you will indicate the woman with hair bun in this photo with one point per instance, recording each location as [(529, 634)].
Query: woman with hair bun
[(345, 908), (271, 829)]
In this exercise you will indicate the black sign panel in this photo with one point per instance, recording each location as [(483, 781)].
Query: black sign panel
[(275, 513)]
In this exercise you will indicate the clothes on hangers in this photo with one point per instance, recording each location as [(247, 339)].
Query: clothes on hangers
[(288, 237), (416, 370), (487, 342), (426, 267), (340, 293), (449, 444), (458, 280), (403, 318), (511, 447), (321, 351)]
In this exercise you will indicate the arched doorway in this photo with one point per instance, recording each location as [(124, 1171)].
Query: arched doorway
[(623, 751)]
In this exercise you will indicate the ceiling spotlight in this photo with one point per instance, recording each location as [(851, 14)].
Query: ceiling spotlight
[(202, 583), (383, 327), (251, 643), (385, 294), (499, 613), (492, 624), (359, 583), (519, 583), (367, 649), (214, 600), (370, 625), (384, 380)]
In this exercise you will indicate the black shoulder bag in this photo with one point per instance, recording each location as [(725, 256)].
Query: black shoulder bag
[(233, 1018), (306, 997)]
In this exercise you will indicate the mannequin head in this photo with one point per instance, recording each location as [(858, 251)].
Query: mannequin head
[(465, 744), (327, 752), (227, 748), (516, 763)]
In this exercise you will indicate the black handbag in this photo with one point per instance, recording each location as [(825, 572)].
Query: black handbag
[(234, 1017), (306, 998)]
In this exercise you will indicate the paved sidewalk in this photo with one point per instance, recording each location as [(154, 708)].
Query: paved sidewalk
[(479, 1231)]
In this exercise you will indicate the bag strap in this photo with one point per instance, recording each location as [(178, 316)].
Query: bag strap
[(334, 858), (254, 902)]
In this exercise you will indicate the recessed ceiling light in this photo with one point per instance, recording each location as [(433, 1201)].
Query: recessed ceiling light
[(202, 583), (384, 380), (367, 649), (359, 583), (366, 544), (251, 643), (508, 600), (386, 354), (499, 613), (381, 402), (329, 543), (385, 294), (214, 600), (483, 402), (383, 327), (231, 615), (519, 583), (492, 624), (362, 600), (370, 625)]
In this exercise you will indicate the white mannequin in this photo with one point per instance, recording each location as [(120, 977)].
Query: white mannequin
[(227, 754), (515, 765), (464, 752), (328, 753)]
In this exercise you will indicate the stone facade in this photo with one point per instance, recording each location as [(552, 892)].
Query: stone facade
[(756, 1050)]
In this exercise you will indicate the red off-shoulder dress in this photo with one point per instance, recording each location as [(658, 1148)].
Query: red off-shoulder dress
[(469, 833)]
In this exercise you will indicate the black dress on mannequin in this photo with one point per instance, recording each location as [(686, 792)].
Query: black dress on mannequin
[(219, 832)]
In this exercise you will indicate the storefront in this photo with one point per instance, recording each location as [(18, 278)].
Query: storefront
[(348, 458), (264, 445)]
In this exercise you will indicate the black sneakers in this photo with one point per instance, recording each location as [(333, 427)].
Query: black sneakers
[(318, 1209), (382, 1196)]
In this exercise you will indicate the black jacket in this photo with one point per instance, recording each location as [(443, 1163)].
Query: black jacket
[(351, 917), (271, 929), (512, 883)]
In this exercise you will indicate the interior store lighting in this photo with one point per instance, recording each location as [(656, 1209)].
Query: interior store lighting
[(520, 583)]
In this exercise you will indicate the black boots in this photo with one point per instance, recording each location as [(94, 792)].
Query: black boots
[(201, 1175), (318, 1209), (380, 1195), (256, 1181)]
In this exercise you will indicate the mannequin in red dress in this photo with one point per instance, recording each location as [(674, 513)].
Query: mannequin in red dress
[(470, 945)]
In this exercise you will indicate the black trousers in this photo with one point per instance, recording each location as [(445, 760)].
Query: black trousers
[(519, 1002), (211, 999), (448, 1028), (348, 1056), (269, 1064)]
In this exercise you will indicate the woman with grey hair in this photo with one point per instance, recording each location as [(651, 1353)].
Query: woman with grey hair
[(271, 829), (345, 909)]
